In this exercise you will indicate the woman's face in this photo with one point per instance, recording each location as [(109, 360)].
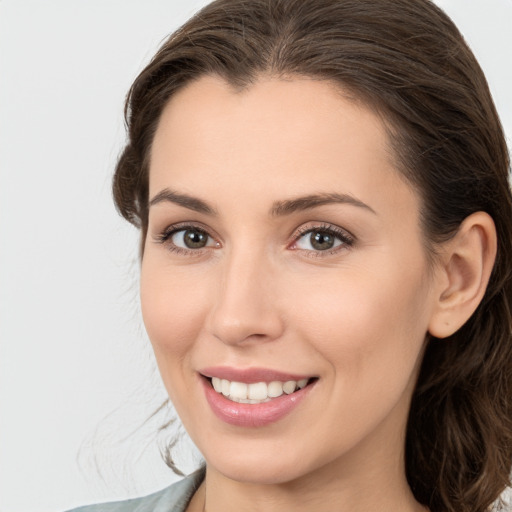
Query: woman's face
[(283, 246)]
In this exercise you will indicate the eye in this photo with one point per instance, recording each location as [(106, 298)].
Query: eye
[(186, 239), (323, 239), (191, 238)]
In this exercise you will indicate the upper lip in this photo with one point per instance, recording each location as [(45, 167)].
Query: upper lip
[(250, 375)]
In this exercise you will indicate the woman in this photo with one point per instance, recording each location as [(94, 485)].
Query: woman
[(326, 229)]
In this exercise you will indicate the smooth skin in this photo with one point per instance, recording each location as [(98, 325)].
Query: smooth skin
[(256, 290)]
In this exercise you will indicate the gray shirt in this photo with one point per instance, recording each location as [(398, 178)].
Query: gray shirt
[(174, 498)]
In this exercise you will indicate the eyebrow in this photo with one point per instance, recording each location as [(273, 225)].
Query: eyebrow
[(279, 208), (192, 203), (312, 201)]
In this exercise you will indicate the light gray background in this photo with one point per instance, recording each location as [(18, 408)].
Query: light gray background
[(76, 372)]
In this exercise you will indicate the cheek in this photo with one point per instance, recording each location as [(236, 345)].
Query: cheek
[(370, 326), (171, 309)]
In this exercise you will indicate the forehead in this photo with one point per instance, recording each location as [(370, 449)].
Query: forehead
[(276, 137)]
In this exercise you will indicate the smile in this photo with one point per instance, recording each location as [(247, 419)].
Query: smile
[(253, 397), (255, 393)]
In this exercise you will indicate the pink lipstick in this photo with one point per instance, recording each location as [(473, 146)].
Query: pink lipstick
[(253, 397)]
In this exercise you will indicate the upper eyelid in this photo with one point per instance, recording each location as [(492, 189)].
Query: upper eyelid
[(183, 226), (163, 237), (333, 228)]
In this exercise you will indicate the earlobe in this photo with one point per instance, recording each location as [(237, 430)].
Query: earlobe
[(463, 274)]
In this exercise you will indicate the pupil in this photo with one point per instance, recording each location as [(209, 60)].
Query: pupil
[(195, 239), (321, 240)]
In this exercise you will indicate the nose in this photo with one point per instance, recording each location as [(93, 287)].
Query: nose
[(246, 309)]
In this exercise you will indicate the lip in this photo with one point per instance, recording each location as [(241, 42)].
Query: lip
[(252, 415), (250, 375)]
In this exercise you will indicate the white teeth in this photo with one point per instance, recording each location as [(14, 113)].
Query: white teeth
[(302, 383), (289, 387), (225, 385), (275, 389), (257, 392), (216, 384), (238, 390)]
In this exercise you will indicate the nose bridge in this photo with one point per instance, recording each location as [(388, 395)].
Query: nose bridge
[(245, 307)]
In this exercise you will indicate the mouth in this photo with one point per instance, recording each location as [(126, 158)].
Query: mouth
[(257, 392), (255, 397)]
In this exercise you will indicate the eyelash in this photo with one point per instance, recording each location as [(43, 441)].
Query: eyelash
[(164, 238), (347, 240)]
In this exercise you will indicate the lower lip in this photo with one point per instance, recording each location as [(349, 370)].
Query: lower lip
[(252, 415)]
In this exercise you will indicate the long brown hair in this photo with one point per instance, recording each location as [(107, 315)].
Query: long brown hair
[(407, 60)]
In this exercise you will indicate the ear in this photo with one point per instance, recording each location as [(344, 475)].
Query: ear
[(463, 274)]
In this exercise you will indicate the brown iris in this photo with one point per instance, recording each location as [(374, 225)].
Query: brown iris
[(321, 240), (195, 239)]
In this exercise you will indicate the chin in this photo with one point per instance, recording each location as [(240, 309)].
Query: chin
[(265, 472), (260, 464)]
